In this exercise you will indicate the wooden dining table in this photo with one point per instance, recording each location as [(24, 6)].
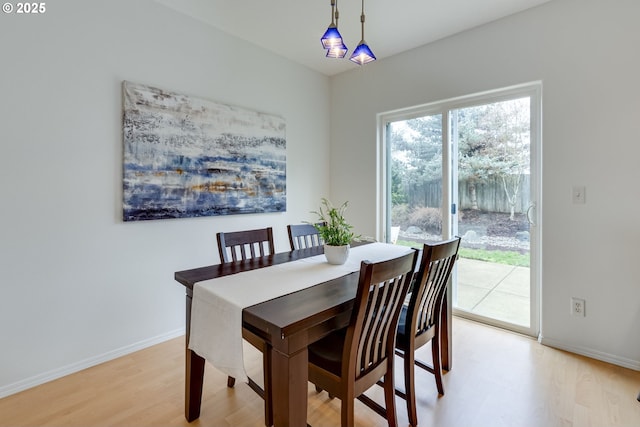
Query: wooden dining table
[(288, 324)]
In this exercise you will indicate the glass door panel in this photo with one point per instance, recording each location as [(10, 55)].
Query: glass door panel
[(415, 166), (493, 143)]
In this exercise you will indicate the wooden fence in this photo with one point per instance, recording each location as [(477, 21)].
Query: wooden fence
[(490, 195)]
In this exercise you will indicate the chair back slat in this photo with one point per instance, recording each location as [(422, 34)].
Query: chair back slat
[(373, 343), (371, 334), (242, 245), (427, 298), (302, 236), (364, 346)]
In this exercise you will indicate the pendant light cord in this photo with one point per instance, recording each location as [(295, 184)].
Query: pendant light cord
[(362, 19), (333, 8)]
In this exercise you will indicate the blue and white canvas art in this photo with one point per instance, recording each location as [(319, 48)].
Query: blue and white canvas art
[(189, 157)]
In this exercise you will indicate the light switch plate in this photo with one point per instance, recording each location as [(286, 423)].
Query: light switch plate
[(578, 194)]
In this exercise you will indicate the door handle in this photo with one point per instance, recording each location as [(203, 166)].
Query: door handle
[(529, 209)]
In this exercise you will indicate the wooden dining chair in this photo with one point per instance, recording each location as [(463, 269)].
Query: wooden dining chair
[(239, 246), (303, 236), (242, 245), (349, 361), (420, 320)]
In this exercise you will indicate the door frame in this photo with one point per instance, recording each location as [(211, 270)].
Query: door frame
[(449, 191)]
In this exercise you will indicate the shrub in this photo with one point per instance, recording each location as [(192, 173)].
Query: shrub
[(400, 215), (428, 219)]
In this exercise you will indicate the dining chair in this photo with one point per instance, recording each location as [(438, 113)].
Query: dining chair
[(349, 361), (239, 246), (420, 320), (242, 245), (303, 236)]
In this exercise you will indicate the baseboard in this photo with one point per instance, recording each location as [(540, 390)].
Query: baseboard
[(87, 363), (593, 354)]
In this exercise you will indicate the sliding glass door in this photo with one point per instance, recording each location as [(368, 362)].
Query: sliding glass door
[(469, 167)]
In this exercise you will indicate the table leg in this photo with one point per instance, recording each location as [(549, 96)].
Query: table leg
[(289, 377), (194, 373)]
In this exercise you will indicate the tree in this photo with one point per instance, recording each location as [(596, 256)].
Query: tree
[(398, 196), (416, 156), (494, 142)]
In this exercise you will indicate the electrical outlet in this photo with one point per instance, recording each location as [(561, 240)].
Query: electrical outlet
[(577, 307)]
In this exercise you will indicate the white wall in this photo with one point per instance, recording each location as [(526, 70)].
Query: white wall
[(78, 285), (585, 52)]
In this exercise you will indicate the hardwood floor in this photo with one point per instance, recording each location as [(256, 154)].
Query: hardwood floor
[(498, 379)]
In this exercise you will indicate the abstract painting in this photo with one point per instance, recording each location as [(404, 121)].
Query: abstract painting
[(188, 157)]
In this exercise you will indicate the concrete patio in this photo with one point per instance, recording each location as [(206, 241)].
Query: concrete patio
[(498, 291)]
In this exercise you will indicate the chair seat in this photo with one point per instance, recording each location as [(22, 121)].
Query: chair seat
[(402, 324), (327, 352), (402, 338)]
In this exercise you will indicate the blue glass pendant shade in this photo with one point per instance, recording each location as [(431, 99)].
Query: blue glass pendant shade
[(331, 37), (362, 54)]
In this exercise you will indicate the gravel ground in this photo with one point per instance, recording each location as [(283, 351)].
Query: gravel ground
[(491, 231)]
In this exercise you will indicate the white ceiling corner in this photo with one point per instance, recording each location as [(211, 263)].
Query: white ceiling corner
[(391, 27)]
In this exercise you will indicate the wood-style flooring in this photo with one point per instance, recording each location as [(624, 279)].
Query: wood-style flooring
[(498, 379)]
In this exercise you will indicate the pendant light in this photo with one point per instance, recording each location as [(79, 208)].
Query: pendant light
[(362, 54), (332, 36), (336, 50)]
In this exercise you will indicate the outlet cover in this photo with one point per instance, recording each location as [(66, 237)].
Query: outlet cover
[(577, 307)]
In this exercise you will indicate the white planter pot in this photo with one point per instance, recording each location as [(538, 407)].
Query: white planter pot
[(336, 254)]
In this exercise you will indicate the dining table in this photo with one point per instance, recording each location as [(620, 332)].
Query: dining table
[(287, 323)]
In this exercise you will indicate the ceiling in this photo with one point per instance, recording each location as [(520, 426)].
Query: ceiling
[(292, 28)]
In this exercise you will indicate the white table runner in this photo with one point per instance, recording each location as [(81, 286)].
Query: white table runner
[(216, 311)]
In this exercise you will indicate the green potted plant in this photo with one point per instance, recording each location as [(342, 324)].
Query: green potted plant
[(335, 231)]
